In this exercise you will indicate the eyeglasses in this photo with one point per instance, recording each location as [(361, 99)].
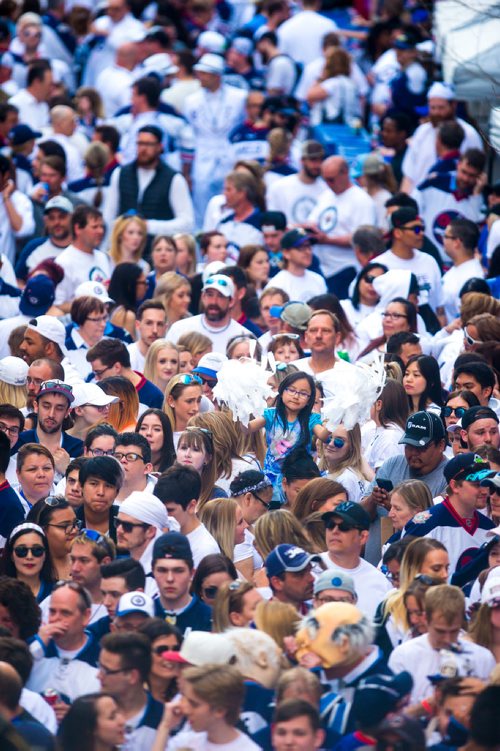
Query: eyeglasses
[(107, 671), (393, 315), (12, 429), (128, 527), (389, 574), (99, 407), (425, 579), (369, 278), (449, 237), (162, 649), (342, 526), (34, 381), (418, 229), (469, 339), (264, 503), (339, 443), (100, 319), (457, 411), (69, 527), (130, 456), (301, 394), (101, 452), (187, 379), (210, 592), (37, 551), (98, 373)]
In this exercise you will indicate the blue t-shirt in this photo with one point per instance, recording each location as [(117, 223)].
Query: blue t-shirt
[(280, 441)]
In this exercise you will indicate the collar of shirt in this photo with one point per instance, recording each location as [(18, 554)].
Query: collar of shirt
[(470, 525)]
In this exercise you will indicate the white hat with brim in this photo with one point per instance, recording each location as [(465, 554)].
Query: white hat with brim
[(93, 289), (210, 63), (52, 329), (441, 90), (13, 371), (91, 393)]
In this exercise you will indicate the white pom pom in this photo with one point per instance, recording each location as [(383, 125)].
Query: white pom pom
[(243, 386), (350, 393)]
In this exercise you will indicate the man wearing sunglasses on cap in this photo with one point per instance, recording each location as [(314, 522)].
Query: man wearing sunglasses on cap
[(216, 321), (346, 535), (407, 238), (52, 406), (455, 522)]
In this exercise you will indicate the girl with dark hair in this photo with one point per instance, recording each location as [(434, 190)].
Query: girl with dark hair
[(213, 570), (364, 296), (164, 637), (422, 383), (155, 426), (127, 287), (20, 612), (290, 423), (26, 557), (93, 723), (389, 413), (60, 525)]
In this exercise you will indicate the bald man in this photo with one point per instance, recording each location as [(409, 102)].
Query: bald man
[(340, 210), (114, 83), (63, 120)]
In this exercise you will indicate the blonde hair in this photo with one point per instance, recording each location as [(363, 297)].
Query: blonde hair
[(219, 517), (220, 686), (175, 387), (191, 248), (276, 527), (14, 395), (474, 303), (278, 619), (167, 284), (225, 437), (196, 343), (313, 495), (302, 680), (354, 459), (150, 369), (416, 494), (229, 599), (199, 440), (119, 227), (280, 142)]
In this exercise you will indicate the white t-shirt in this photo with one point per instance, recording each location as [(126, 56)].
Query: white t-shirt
[(355, 485), (219, 337), (188, 739), (137, 359), (202, 543), (294, 198), (338, 215), (453, 281), (425, 269), (383, 443), (300, 288), (419, 658), (80, 267), (302, 34), (370, 584)]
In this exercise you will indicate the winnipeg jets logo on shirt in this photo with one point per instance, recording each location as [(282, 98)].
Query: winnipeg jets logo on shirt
[(302, 208), (97, 275), (328, 218)]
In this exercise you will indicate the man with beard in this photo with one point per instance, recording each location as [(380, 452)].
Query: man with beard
[(215, 322), (422, 154), (57, 236), (151, 188), (297, 195), (39, 371), (52, 405)]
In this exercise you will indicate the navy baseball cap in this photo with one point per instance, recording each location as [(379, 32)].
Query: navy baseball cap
[(22, 133), (38, 296), (296, 238), (350, 512), (478, 413), (288, 558), (173, 545), (468, 466)]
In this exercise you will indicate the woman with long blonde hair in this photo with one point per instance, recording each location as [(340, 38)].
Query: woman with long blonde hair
[(128, 240), (13, 374), (174, 291), (186, 254), (278, 619), (278, 527), (224, 520), (124, 413), (162, 363), (197, 344), (341, 457), (182, 401)]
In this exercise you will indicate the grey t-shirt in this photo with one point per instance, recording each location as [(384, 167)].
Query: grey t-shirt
[(396, 470)]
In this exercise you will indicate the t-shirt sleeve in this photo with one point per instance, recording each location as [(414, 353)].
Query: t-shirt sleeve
[(269, 415), (314, 420)]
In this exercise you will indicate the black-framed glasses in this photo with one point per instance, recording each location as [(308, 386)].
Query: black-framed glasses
[(418, 229), (459, 412), (69, 527), (343, 526), (128, 527), (264, 503), (130, 456), (301, 394), (101, 452), (99, 319), (396, 316), (21, 551), (10, 429), (99, 373)]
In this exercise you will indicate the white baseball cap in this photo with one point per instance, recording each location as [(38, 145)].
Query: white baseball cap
[(202, 648), (210, 364), (210, 63), (220, 283), (490, 594), (91, 393), (13, 371), (93, 289), (135, 602), (211, 41), (212, 268), (51, 328), (441, 90)]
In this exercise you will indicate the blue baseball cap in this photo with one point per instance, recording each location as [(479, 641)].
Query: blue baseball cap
[(288, 558), (38, 296)]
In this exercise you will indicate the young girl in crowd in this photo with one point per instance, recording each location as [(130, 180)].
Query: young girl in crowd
[(155, 426), (286, 348), (162, 363), (290, 423), (389, 414), (60, 525), (196, 449), (128, 240), (26, 557), (182, 401), (342, 458), (422, 383), (235, 605)]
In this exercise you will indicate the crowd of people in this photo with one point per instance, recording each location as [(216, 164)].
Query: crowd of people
[(274, 200)]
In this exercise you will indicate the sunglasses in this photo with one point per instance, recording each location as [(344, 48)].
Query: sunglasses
[(417, 230), (128, 527), (187, 379), (339, 443), (264, 503), (37, 551), (56, 384), (425, 579), (210, 592), (162, 649), (211, 282), (274, 337), (369, 278), (457, 411), (469, 339), (93, 535), (342, 526), (55, 500)]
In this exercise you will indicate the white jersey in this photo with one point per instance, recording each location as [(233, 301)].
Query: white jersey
[(301, 35), (80, 267), (370, 584), (453, 281), (425, 269), (70, 675), (294, 198), (338, 215), (137, 359)]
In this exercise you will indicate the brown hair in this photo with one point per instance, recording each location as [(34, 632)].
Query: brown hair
[(32, 448), (315, 494), (337, 63), (82, 307), (474, 303), (445, 599), (221, 686)]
